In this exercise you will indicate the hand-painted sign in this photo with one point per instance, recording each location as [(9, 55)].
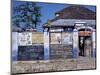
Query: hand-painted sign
[(67, 38), (55, 38), (25, 38), (85, 33)]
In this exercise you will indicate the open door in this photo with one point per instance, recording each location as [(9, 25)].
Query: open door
[(81, 46), (85, 46)]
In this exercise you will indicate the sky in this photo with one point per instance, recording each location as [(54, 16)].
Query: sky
[(48, 10)]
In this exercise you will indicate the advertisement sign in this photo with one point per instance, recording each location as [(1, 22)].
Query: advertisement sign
[(67, 38), (24, 38)]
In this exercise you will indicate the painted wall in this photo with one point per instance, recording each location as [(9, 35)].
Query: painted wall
[(37, 37), (46, 45), (14, 45)]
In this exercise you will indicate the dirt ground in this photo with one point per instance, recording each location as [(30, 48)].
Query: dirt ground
[(53, 65)]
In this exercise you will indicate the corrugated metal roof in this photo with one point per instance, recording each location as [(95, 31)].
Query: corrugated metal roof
[(71, 22)]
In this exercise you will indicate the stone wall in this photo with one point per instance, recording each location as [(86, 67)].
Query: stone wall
[(53, 65)]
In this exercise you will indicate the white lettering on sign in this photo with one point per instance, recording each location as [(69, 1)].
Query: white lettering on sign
[(25, 38)]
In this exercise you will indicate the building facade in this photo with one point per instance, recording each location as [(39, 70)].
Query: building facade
[(71, 34)]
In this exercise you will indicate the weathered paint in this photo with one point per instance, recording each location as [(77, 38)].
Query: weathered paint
[(37, 38), (14, 45), (94, 43), (55, 38), (75, 43), (46, 45), (75, 54), (25, 39), (67, 38)]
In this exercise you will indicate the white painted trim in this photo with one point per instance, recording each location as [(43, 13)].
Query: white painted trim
[(83, 27)]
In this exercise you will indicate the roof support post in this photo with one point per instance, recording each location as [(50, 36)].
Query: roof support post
[(15, 46), (46, 44), (93, 44), (75, 44)]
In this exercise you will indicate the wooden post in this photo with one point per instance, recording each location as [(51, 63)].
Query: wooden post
[(14, 45), (94, 43), (46, 44), (75, 44)]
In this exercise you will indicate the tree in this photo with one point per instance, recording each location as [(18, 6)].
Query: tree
[(26, 15)]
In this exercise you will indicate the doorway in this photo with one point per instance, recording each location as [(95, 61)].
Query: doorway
[(81, 46), (85, 46)]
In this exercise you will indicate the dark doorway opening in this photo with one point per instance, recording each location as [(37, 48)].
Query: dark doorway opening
[(85, 45), (81, 46), (85, 40)]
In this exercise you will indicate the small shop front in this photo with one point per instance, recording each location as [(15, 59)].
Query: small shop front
[(61, 42), (70, 42)]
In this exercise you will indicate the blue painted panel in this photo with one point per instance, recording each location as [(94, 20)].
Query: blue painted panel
[(14, 46), (75, 52), (94, 53), (46, 45), (46, 53)]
